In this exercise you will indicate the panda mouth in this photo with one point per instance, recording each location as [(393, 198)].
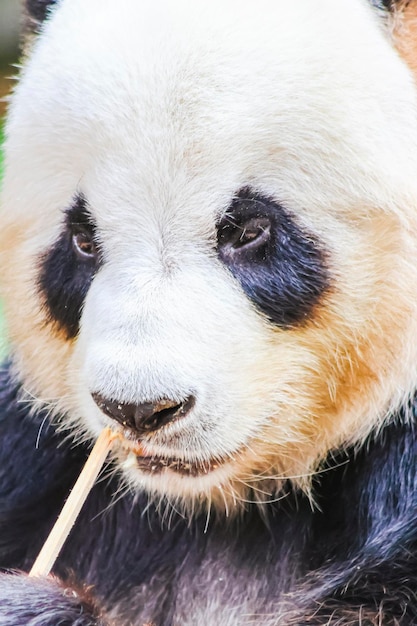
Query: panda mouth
[(136, 458), (158, 464)]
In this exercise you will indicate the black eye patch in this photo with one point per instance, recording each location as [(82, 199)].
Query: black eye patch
[(65, 274), (280, 266)]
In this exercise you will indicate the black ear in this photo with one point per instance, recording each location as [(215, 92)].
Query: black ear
[(389, 5), (36, 12)]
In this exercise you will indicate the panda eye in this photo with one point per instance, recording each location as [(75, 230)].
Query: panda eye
[(245, 231), (251, 234), (81, 231), (83, 242)]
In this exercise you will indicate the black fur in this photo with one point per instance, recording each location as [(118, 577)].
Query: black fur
[(390, 5), (64, 277), (349, 562), (287, 275), (28, 601), (38, 10)]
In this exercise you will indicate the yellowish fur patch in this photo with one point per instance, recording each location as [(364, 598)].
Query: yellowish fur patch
[(405, 33)]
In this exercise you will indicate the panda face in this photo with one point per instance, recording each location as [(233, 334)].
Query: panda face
[(208, 235)]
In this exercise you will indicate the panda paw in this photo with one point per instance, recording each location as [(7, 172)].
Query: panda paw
[(26, 601)]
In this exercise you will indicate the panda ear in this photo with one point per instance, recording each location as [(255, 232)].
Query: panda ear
[(36, 12), (391, 4)]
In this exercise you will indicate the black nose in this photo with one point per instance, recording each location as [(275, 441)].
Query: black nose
[(147, 417)]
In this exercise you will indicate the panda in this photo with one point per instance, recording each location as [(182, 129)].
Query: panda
[(208, 243)]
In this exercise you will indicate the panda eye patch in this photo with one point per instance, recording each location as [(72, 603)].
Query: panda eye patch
[(280, 266), (68, 268)]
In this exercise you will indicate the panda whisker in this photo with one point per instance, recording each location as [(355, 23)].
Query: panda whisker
[(208, 513), (173, 511), (253, 488), (266, 501), (38, 437), (38, 401), (281, 477), (262, 501), (121, 492), (220, 488)]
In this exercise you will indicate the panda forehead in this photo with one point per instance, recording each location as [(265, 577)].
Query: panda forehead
[(265, 51), (223, 92), (189, 61)]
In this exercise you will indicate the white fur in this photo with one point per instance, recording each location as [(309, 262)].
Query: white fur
[(159, 112)]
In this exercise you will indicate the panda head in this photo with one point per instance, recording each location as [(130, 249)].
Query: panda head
[(209, 234)]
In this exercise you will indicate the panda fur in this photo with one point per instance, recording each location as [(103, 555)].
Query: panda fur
[(210, 209)]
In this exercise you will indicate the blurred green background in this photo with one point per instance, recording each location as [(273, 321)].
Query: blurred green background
[(9, 46)]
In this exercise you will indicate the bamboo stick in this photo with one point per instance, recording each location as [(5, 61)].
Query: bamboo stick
[(73, 505)]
